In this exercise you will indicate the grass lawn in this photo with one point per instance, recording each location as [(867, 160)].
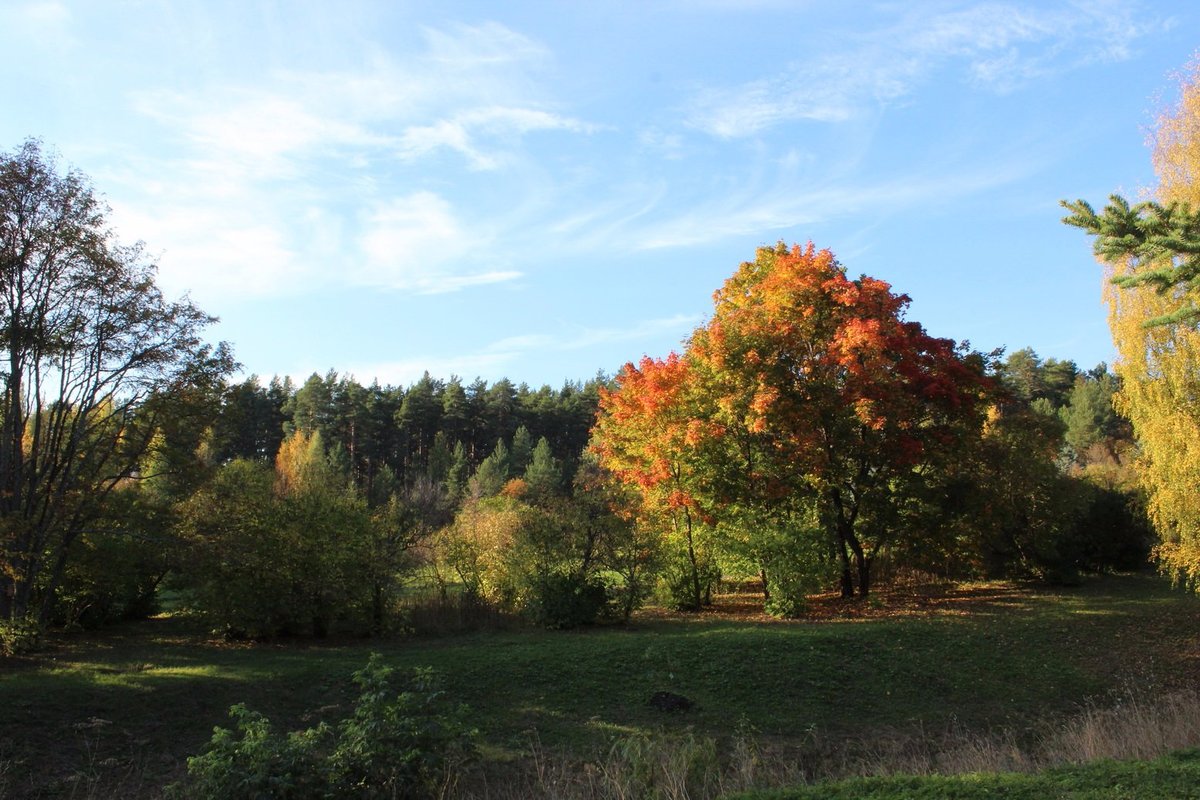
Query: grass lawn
[(124, 707), (1176, 776)]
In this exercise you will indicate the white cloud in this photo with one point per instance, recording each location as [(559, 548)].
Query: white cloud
[(461, 133), (46, 22), (260, 134), (1000, 46), (581, 338), (480, 46), (407, 371), (666, 145), (762, 213), (417, 243), (254, 166), (207, 255)]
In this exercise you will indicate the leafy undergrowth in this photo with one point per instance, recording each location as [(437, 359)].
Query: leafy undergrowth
[(1175, 776), (116, 714)]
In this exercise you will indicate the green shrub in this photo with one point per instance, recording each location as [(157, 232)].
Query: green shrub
[(18, 636), (795, 564), (677, 583), (257, 762), (560, 600), (396, 743)]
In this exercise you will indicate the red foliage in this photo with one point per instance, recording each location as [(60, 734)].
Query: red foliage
[(802, 378)]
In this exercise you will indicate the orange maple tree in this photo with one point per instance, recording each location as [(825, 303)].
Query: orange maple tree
[(803, 384), (646, 436)]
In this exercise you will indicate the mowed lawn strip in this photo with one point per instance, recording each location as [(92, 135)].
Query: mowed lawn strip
[(147, 695), (1176, 776)]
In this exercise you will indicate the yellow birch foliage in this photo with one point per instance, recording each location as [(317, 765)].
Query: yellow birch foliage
[(1160, 366), (300, 463)]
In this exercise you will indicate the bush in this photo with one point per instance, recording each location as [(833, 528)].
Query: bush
[(560, 600), (18, 637), (261, 563), (396, 743), (795, 563), (112, 576), (257, 762), (677, 583)]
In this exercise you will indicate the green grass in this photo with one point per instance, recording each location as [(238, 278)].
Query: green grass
[(1005, 658), (1176, 776)]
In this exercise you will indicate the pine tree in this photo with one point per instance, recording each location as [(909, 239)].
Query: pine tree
[(544, 474), (520, 452), (492, 474)]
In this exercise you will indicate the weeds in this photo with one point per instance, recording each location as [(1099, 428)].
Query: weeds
[(674, 766), (399, 741), (1134, 728)]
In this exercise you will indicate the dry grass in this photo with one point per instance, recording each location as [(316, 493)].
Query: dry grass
[(688, 766), (1133, 728)]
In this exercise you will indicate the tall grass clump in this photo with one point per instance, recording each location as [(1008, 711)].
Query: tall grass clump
[(673, 766), (1134, 727)]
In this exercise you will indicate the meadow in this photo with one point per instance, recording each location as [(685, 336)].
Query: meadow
[(923, 678)]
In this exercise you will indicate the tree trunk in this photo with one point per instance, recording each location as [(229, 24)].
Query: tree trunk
[(22, 588), (861, 563), (51, 590), (850, 544), (696, 595), (847, 575), (377, 608), (864, 575), (7, 588)]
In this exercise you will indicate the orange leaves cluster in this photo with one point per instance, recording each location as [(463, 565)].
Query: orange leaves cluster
[(644, 428), (800, 372)]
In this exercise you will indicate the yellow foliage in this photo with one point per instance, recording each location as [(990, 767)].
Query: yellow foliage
[(1176, 140), (476, 545), (300, 463), (1160, 366)]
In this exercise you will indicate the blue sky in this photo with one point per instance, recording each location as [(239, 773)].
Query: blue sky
[(541, 190)]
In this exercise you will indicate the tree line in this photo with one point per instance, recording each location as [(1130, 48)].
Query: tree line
[(391, 433)]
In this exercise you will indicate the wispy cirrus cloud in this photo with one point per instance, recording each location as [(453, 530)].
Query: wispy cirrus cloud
[(999, 46), (46, 22), (333, 146), (406, 371), (761, 213), (582, 338), (464, 132), (417, 243)]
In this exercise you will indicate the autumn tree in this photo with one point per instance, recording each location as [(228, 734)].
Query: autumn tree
[(646, 436), (821, 387), (1152, 250), (805, 387), (87, 341), (293, 549)]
